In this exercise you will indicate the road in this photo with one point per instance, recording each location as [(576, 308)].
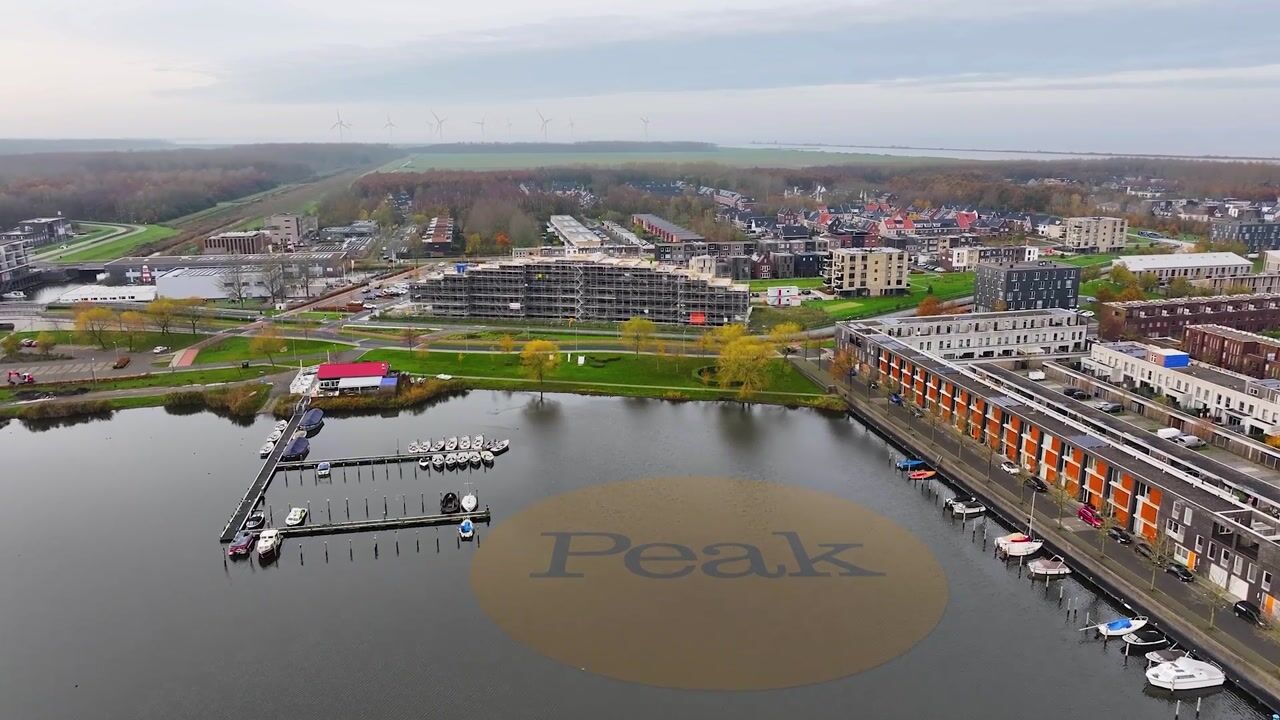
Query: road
[(119, 230)]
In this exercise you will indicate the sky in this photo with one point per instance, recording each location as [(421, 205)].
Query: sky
[(1166, 76)]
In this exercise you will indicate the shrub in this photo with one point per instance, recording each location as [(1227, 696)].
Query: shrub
[(56, 411)]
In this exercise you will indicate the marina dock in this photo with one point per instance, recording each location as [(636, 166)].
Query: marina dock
[(479, 516), (258, 487)]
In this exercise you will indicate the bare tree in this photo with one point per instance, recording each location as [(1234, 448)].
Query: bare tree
[(274, 280), (233, 283)]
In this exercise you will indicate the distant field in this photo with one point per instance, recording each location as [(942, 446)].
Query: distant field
[(119, 247), (744, 157)]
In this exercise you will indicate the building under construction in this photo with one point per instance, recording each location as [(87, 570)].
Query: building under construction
[(589, 288)]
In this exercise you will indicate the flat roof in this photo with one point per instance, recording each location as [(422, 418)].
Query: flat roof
[(1139, 263), (237, 259), (1029, 265), (109, 293), (1194, 300), (680, 233), (588, 259), (1235, 334), (1061, 313)]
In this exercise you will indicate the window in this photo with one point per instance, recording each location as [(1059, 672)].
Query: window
[(1253, 573), (1266, 580), (1199, 543), (1213, 551), (1226, 557)]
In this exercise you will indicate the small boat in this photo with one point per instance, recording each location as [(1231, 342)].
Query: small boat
[(1155, 657), (1147, 637), (477, 442), (1119, 626), (323, 469), (486, 457), (437, 446), (268, 543), (909, 464), (437, 462), (424, 462), (1053, 567), (414, 447), (451, 444), (265, 450), (1186, 674), (274, 436), (488, 445), (501, 446), (464, 443), (449, 503), (312, 420), (451, 460), (474, 458), (921, 474), (1018, 544), (469, 502), (282, 425), (968, 508), (14, 295), (466, 530)]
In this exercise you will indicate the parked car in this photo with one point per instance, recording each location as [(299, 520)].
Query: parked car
[(1144, 550), (1180, 571), (1036, 375), (1010, 467), (160, 349), (1120, 535), (1249, 612), (1036, 484), (370, 306), (1087, 313), (28, 342), (242, 544), (1190, 441), (122, 361), (1076, 393), (1109, 407), (255, 521), (1089, 515)]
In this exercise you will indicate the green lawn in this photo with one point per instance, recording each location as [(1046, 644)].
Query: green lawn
[(802, 283), (1087, 260), (177, 379), (94, 231), (120, 247), (119, 341), (1092, 287), (235, 349), (609, 369), (948, 286)]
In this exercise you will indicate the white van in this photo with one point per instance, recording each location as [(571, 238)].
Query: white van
[(1036, 375), (1190, 441), (1169, 433)]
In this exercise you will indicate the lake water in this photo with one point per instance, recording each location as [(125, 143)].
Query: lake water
[(117, 603)]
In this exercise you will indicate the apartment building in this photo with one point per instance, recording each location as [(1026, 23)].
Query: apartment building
[(1226, 398), (1094, 234), (961, 258), (1025, 286), (437, 236), (1220, 521), (248, 242), (1253, 284), (982, 336), (1189, 266), (42, 231), (575, 236), (1238, 351), (583, 287), (288, 231), (1168, 318), (1256, 236), (15, 261), (673, 244), (1271, 262), (867, 271)]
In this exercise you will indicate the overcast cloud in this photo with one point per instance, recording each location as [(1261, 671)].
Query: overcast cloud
[(1184, 76)]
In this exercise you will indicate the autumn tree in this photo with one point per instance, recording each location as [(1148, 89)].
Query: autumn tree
[(538, 359), (745, 363), (1090, 273), (266, 342), (94, 322), (931, 305), (1105, 294), (408, 335), (638, 330), (842, 364), (1061, 498), (132, 322), (1123, 276), (1130, 293), (162, 312), (1178, 288), (384, 215), (718, 337), (782, 334), (506, 343), (11, 344), (46, 342), (234, 282), (1148, 281)]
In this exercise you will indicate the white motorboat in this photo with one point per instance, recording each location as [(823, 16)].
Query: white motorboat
[(1053, 567), (281, 425), (268, 543), (296, 517), (968, 508), (437, 462), (14, 295), (477, 442), (414, 447), (451, 444), (424, 462), (486, 457), (437, 446), (451, 460), (474, 458), (1119, 626), (323, 469), (265, 450), (466, 530), (469, 501), (1186, 674), (501, 446), (1155, 657), (1018, 544), (464, 443), (274, 436)]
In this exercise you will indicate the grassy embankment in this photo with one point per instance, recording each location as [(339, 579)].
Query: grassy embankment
[(176, 379), (119, 247), (237, 348), (603, 374)]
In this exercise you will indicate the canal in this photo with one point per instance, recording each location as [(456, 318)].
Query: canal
[(117, 602)]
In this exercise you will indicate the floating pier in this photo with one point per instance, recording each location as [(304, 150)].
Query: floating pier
[(258, 487), (479, 516)]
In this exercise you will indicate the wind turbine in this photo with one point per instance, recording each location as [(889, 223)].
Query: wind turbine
[(390, 127), (645, 122), (340, 126), (545, 122), (439, 124), (480, 124)]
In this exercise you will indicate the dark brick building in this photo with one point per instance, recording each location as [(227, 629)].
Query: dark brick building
[(1256, 236), (1168, 318), (1235, 350), (1025, 286)]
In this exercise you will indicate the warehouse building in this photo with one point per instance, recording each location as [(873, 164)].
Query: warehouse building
[(1189, 266), (133, 270)]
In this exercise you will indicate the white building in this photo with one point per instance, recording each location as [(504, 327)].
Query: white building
[(1190, 266), (1094, 234), (208, 283), (575, 236), (1236, 401), (783, 296), (15, 257), (978, 336), (108, 294), (867, 271), (1262, 283), (1271, 261)]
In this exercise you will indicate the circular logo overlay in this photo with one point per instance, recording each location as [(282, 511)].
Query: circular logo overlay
[(709, 583)]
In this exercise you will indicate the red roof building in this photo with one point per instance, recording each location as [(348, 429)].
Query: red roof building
[(338, 371)]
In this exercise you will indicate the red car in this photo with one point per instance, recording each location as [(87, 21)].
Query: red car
[(1089, 515), (242, 544)]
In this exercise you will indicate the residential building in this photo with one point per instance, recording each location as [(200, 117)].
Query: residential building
[(1236, 401), (867, 271), (1271, 262), (1238, 351), (1169, 317), (15, 262), (1256, 236), (1220, 521), (43, 231), (437, 236), (982, 336), (287, 231), (674, 245), (575, 236), (354, 378), (248, 242), (581, 287), (966, 257), (1094, 234), (1025, 286), (624, 237), (1189, 266), (1048, 226), (1253, 284)]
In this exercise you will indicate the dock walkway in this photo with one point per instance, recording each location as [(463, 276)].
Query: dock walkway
[(258, 487), (479, 516)]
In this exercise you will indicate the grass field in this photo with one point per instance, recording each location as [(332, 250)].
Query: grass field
[(120, 247), (235, 349), (802, 283), (1088, 260), (742, 157), (611, 373), (178, 379), (141, 341), (945, 287), (1092, 287)]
